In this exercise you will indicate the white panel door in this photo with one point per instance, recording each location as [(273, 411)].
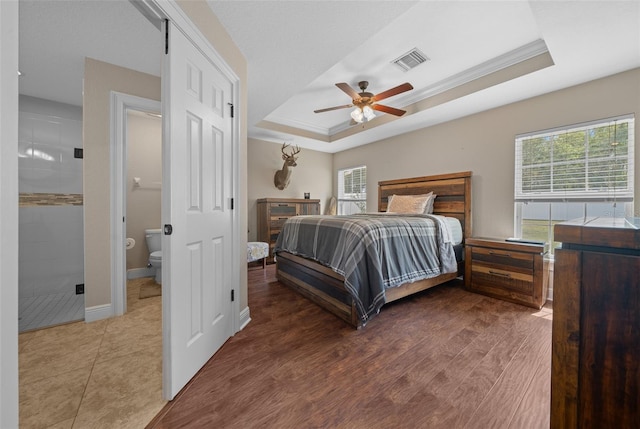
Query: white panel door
[(197, 157)]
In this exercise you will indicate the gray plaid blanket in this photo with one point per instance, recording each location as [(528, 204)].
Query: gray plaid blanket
[(372, 251)]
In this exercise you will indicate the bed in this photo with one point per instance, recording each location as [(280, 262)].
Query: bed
[(326, 287)]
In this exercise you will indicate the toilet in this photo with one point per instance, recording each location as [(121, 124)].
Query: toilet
[(154, 243)]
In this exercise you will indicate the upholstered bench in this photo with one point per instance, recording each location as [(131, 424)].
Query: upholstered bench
[(257, 250)]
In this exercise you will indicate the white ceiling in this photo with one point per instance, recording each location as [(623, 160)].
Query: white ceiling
[(297, 50), (55, 36)]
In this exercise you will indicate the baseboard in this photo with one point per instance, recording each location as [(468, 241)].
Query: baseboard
[(98, 312), (245, 318), (136, 273)]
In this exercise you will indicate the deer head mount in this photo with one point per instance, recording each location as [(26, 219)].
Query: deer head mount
[(282, 176)]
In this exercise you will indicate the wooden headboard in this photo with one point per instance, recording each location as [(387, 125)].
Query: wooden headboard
[(453, 194)]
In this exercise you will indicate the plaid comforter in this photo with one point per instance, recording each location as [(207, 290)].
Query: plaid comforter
[(372, 252)]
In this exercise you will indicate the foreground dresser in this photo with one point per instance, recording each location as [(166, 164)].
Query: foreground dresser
[(595, 368), (273, 212)]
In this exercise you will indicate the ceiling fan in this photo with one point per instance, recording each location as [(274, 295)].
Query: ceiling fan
[(366, 102)]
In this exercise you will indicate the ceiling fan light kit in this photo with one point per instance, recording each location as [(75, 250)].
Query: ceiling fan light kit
[(366, 102), (363, 114), (368, 113), (357, 115)]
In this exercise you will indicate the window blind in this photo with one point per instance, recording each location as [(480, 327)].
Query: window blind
[(352, 190), (586, 162), (352, 183)]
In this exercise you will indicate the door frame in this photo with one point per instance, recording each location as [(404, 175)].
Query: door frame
[(9, 390), (121, 104)]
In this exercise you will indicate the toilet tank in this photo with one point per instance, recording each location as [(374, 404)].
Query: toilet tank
[(154, 239)]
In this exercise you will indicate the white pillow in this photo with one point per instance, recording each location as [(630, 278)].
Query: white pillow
[(408, 204), (428, 209)]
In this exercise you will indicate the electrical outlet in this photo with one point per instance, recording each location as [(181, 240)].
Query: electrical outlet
[(80, 289)]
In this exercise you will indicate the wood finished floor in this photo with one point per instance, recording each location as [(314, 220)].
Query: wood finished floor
[(444, 358)]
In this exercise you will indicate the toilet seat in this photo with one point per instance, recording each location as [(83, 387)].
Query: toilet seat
[(157, 255)]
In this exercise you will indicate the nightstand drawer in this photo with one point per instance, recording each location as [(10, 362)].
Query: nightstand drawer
[(488, 278), (503, 258)]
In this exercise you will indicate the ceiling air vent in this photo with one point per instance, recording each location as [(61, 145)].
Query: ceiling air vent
[(411, 59)]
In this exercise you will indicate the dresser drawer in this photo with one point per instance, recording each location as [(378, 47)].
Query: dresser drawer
[(274, 235), (283, 209), (278, 221)]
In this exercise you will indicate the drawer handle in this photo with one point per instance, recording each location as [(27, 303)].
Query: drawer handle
[(283, 218), (283, 205), (495, 273), (492, 253)]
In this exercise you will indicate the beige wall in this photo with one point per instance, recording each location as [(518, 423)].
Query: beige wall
[(99, 80), (484, 144), (312, 174), (144, 161)]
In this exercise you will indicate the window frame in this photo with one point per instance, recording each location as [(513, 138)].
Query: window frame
[(613, 201), (359, 199)]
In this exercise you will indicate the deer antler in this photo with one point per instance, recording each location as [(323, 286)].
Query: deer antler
[(295, 150)]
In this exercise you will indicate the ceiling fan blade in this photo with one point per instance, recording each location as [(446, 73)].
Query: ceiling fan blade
[(333, 108), (350, 91), (387, 109), (393, 91)]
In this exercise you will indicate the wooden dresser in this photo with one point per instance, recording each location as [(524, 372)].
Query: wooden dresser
[(273, 212), (512, 271), (595, 364)]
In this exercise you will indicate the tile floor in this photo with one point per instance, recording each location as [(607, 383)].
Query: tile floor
[(104, 374)]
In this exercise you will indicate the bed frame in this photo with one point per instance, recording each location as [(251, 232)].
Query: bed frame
[(326, 288)]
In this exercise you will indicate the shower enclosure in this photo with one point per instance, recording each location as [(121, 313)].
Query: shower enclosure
[(51, 260)]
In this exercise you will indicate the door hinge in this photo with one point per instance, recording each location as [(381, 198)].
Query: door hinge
[(168, 229), (166, 36), (232, 203), (231, 107), (233, 297)]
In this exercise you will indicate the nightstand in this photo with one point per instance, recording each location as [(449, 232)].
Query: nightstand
[(512, 271)]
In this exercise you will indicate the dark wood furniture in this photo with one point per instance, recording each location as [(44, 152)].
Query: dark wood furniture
[(595, 368), (326, 288), (273, 212), (512, 271)]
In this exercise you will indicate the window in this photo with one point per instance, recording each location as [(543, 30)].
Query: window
[(352, 190), (572, 172)]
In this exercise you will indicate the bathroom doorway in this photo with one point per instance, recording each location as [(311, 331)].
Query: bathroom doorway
[(143, 191), (136, 184)]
